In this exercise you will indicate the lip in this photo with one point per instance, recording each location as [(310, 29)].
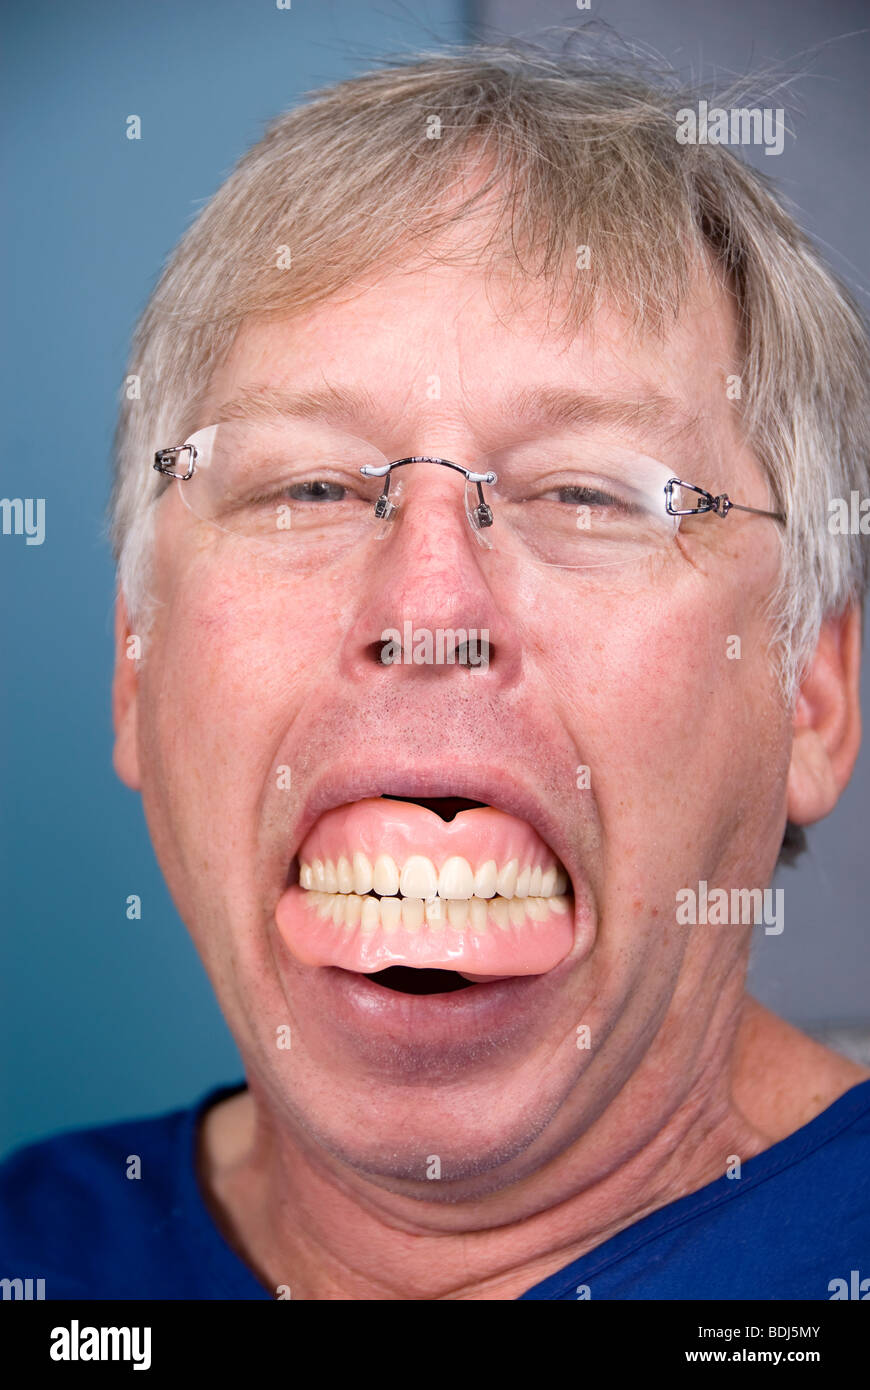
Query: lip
[(489, 785), (375, 1019)]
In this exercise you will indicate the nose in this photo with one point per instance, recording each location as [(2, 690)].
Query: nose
[(427, 584)]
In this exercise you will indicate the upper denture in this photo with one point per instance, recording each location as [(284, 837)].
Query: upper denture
[(388, 848)]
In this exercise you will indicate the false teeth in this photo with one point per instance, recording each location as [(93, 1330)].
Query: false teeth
[(419, 877), (459, 914)]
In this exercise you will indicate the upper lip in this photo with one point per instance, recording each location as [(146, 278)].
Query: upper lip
[(487, 784)]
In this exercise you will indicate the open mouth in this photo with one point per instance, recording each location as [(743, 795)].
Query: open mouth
[(427, 894), (447, 807), (405, 980)]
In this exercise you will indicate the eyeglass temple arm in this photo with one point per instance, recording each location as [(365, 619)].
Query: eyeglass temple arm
[(721, 505), (739, 507)]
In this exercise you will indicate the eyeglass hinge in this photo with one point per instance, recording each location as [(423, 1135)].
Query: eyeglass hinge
[(164, 457), (709, 503)]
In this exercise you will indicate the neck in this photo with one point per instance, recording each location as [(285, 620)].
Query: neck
[(302, 1218)]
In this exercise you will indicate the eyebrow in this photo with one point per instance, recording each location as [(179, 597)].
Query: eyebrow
[(547, 406), (273, 402), (654, 413)]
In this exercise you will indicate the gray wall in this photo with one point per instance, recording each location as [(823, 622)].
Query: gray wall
[(818, 971)]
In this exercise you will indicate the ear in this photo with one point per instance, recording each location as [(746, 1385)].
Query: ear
[(827, 721), (125, 694)]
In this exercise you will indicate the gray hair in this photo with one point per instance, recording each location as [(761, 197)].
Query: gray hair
[(572, 151)]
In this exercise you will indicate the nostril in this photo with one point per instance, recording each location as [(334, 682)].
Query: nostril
[(380, 653), (476, 651), (469, 647)]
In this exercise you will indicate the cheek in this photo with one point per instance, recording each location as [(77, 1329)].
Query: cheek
[(634, 660), (667, 653), (234, 662), (237, 640), (663, 692), (228, 670)]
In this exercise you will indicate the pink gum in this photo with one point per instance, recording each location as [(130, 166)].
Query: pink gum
[(401, 829)]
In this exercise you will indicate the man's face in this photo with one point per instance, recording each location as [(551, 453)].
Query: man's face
[(631, 674)]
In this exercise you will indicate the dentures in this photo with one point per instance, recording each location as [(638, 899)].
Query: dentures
[(369, 913), (418, 876), (385, 882)]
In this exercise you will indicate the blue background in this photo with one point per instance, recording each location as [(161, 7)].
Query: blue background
[(101, 1017)]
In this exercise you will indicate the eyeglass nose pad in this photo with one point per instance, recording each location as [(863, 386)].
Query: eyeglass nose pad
[(479, 514), (387, 505)]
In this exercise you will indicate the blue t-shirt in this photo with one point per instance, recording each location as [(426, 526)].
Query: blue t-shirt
[(797, 1219)]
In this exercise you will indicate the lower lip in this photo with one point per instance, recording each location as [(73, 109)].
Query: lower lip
[(369, 1013)]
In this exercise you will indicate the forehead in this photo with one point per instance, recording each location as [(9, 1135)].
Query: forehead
[(446, 342)]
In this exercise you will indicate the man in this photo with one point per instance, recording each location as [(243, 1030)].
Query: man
[(488, 639)]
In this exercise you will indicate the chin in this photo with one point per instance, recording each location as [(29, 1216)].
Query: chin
[(438, 1146)]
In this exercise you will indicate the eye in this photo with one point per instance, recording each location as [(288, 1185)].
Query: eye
[(591, 496), (316, 490)]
